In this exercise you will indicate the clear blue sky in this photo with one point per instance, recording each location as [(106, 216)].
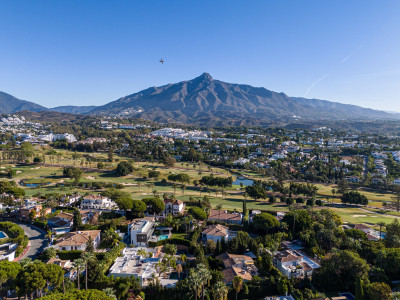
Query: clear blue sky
[(92, 52)]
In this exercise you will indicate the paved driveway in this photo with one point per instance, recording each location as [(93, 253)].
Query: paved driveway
[(37, 240)]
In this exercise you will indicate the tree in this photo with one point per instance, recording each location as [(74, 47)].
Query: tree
[(8, 272), (49, 253), (220, 291), (169, 162), (79, 263), (359, 289), (155, 205), (256, 192), (198, 213), (237, 284), (339, 271), (138, 208), (170, 249), (342, 186), (298, 220), (90, 245), (354, 197), (393, 234), (264, 222), (179, 270), (77, 221), (87, 256), (124, 168), (378, 290), (73, 173)]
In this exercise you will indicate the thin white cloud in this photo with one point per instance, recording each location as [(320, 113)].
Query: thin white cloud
[(351, 54), (315, 83)]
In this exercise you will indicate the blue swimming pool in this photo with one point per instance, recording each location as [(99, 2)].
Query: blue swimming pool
[(2, 235), (163, 237)]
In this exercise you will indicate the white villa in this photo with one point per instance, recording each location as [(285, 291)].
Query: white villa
[(293, 264), (78, 240), (97, 202)]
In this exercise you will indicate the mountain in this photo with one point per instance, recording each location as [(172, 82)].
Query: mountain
[(204, 100), (210, 101), (9, 104), (74, 109)]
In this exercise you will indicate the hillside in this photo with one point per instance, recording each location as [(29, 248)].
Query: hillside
[(10, 104), (73, 109)]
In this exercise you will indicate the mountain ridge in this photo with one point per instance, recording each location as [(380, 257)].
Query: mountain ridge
[(210, 101)]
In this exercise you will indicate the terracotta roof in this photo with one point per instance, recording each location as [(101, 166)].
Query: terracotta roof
[(65, 264), (230, 260), (66, 216), (216, 214), (360, 226), (230, 273), (77, 238), (216, 230), (176, 202), (306, 266), (287, 255)]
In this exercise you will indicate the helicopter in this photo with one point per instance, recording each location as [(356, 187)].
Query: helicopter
[(161, 61)]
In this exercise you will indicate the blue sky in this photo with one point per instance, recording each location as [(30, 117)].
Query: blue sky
[(92, 52)]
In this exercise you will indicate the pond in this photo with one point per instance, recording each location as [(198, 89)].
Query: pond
[(245, 181), (36, 184)]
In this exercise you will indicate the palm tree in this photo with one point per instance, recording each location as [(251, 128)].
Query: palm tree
[(79, 263), (142, 252), (179, 269), (205, 276), (195, 282), (110, 293), (86, 256), (237, 284), (183, 258), (381, 224), (220, 291)]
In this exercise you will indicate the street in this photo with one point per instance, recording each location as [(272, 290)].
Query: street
[(37, 240)]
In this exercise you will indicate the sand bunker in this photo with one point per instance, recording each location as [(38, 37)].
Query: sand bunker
[(358, 216)]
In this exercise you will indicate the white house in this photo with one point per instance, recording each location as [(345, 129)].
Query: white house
[(293, 264), (7, 251), (173, 207), (140, 232), (97, 202), (78, 240), (217, 232)]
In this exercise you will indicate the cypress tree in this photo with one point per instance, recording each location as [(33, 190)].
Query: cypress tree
[(359, 289)]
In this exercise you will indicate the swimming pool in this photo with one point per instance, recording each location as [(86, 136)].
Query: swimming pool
[(2, 235), (163, 237)]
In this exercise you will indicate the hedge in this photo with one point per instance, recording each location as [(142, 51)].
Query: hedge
[(16, 235), (175, 241)]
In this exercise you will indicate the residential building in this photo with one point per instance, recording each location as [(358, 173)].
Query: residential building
[(174, 207), (237, 265), (97, 202), (67, 265), (140, 232), (138, 266), (217, 233), (78, 240), (294, 264), (7, 251), (224, 217), (25, 211)]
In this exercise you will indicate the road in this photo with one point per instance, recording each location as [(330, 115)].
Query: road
[(37, 239)]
